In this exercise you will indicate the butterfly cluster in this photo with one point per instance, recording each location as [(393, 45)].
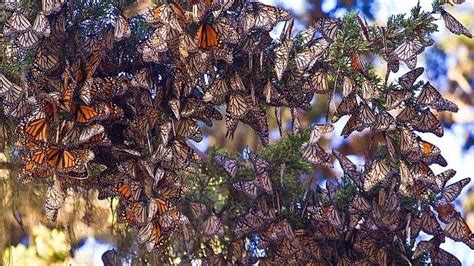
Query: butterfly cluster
[(110, 103), (371, 215), (374, 213)]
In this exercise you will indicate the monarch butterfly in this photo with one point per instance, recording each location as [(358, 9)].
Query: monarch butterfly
[(151, 235), (188, 129), (172, 191), (396, 97), (142, 78), (332, 216), (236, 83), (54, 196), (357, 63), (329, 27), (51, 213), (441, 179), (431, 154), (259, 164), (92, 64), (224, 27), (422, 247), (206, 36), (420, 170), (360, 204), (54, 201), (171, 220), (228, 164), (347, 87), (349, 168), (369, 90), (446, 212), (34, 165), (171, 14), (26, 40), (308, 57), (451, 192), (277, 231), (122, 29), (319, 130), (134, 213), (181, 153), (127, 189), (307, 35), (453, 25), (411, 62), (152, 54), (93, 43), (186, 46), (253, 221), (217, 91), (377, 173), (427, 122), (160, 40), (223, 53), (85, 135), (198, 209), (8, 87), (62, 159), (213, 226), (350, 126), (51, 6), (440, 256), (384, 121), (238, 105), (174, 105), (429, 223), (406, 178), (407, 79), (157, 206), (248, 187), (282, 54), (393, 63), (41, 25), (408, 115), (408, 49), (263, 181), (365, 116), (84, 114), (191, 107), (257, 120), (319, 82), (314, 154), (368, 246), (359, 121), (458, 230), (16, 23), (36, 127), (432, 98), (347, 106), (20, 107), (11, 5), (259, 16)]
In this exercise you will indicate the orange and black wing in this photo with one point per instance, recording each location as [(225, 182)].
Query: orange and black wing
[(84, 114), (206, 36)]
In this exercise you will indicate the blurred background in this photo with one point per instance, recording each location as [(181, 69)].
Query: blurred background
[(80, 238)]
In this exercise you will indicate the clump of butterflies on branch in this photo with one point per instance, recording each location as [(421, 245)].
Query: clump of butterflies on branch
[(109, 102)]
